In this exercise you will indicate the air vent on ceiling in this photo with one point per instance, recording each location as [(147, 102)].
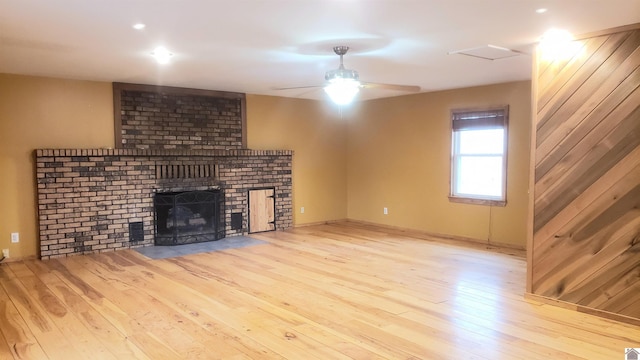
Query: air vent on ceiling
[(488, 52)]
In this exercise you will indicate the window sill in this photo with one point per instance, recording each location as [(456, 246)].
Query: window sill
[(475, 201)]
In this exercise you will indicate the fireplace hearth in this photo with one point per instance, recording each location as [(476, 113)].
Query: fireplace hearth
[(188, 217)]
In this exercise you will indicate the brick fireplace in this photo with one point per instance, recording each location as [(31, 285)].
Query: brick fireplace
[(169, 140)]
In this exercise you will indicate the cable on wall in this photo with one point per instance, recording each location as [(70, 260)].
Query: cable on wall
[(490, 221)]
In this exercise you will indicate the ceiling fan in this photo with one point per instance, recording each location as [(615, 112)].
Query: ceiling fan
[(343, 84)]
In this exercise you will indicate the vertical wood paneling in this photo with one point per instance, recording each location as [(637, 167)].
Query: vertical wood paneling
[(585, 246)]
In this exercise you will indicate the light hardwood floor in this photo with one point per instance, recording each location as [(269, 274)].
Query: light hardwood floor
[(340, 291)]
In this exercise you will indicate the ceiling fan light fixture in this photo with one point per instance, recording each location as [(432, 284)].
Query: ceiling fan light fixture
[(342, 90), (342, 84)]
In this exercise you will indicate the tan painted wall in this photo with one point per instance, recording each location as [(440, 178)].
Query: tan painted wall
[(399, 158), (43, 113), (318, 135)]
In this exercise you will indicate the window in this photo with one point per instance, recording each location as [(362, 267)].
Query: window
[(479, 156)]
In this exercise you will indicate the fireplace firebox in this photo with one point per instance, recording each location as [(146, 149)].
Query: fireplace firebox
[(188, 217)]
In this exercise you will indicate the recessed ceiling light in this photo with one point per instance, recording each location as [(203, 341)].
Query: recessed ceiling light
[(139, 26), (541, 10), (162, 55), (558, 44), (556, 36)]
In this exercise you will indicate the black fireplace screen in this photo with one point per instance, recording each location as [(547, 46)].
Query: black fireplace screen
[(188, 217)]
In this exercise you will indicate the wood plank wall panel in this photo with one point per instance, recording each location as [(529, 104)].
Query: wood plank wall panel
[(586, 211)]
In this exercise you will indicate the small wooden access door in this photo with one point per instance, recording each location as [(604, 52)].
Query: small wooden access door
[(262, 210)]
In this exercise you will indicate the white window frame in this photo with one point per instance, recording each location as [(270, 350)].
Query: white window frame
[(478, 119)]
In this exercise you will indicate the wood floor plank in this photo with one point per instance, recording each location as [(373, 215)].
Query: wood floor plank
[(53, 341), (84, 342), (20, 341), (297, 304), (192, 309), (111, 308), (315, 310), (116, 341), (181, 335), (336, 291)]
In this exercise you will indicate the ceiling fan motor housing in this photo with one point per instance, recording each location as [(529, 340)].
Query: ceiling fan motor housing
[(341, 73)]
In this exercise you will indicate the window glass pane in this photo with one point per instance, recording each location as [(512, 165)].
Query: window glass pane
[(479, 175), (481, 141)]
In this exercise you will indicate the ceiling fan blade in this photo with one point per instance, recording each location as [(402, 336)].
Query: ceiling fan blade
[(408, 88), (297, 87)]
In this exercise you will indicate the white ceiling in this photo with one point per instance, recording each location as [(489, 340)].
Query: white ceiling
[(254, 45)]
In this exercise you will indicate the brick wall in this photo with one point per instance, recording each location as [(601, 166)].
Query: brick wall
[(87, 197), (151, 117)]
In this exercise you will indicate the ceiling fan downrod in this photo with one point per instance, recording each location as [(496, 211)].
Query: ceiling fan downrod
[(340, 51)]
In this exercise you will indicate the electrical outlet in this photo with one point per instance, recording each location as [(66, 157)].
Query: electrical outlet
[(5, 253), (385, 211), (302, 210), (15, 237)]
